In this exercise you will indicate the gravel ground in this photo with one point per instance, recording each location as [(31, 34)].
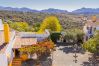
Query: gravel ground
[(64, 56)]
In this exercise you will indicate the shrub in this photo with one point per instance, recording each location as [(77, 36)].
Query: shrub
[(55, 36)]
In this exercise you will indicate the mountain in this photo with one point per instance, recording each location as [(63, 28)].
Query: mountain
[(18, 9), (50, 10), (86, 11)]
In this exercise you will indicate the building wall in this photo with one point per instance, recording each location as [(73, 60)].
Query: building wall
[(35, 35), (9, 51), (1, 25), (3, 60), (97, 28), (87, 32)]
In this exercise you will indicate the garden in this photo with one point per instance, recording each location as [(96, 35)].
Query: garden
[(38, 52)]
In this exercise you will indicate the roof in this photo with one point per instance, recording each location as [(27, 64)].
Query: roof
[(90, 23), (3, 46), (19, 42)]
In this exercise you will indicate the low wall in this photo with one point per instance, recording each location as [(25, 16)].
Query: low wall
[(34, 34), (3, 60), (9, 51)]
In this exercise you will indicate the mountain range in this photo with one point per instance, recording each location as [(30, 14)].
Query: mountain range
[(52, 10), (86, 11)]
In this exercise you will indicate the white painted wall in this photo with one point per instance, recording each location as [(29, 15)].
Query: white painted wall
[(9, 51), (1, 25), (34, 35), (97, 28), (3, 60)]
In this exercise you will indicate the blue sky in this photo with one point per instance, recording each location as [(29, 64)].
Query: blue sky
[(45, 4)]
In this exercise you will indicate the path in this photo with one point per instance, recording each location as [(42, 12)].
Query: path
[(63, 56)]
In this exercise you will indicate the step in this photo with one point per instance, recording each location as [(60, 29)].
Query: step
[(16, 65), (16, 62), (16, 59)]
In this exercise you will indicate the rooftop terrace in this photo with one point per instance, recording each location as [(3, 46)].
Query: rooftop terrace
[(20, 41)]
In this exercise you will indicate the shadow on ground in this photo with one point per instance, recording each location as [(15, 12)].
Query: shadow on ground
[(91, 62), (85, 64), (31, 62), (70, 49)]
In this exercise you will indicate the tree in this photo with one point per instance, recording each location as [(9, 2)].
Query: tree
[(20, 26), (55, 36), (67, 21), (92, 44), (76, 35), (51, 23), (36, 26)]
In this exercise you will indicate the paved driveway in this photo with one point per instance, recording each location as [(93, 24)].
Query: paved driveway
[(63, 56)]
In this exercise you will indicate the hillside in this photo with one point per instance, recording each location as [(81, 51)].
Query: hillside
[(24, 9), (66, 20)]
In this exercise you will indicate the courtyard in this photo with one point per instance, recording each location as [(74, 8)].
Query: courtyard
[(64, 56)]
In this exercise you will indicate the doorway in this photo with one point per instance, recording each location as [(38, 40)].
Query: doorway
[(17, 53)]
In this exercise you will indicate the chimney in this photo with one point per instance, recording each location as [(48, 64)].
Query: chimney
[(6, 33)]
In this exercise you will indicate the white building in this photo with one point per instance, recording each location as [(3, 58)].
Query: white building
[(9, 50), (90, 27), (1, 25)]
